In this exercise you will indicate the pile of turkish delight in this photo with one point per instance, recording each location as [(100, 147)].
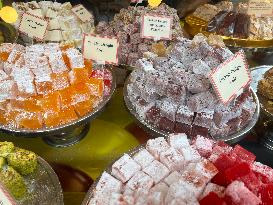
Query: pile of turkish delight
[(64, 25), (176, 171), (126, 26), (174, 93), (45, 85)]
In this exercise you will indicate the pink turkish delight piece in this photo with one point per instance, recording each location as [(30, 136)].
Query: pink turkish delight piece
[(143, 158), (184, 115), (200, 101), (172, 178), (75, 58), (203, 145), (140, 181), (124, 168), (198, 83), (157, 171), (218, 132), (156, 198), (263, 172), (242, 155), (8, 90), (178, 141), (156, 146), (119, 199), (239, 194), (211, 187), (190, 154), (8, 68), (204, 118), (225, 113), (160, 187), (200, 67), (3, 75), (172, 159), (218, 149)]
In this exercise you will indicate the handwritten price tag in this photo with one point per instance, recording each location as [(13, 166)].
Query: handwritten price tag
[(82, 13), (100, 49), (230, 77), (33, 26), (5, 198), (156, 27), (260, 8)]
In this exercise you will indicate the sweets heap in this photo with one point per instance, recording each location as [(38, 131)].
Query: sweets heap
[(174, 93), (15, 164), (64, 25), (45, 85), (126, 26), (265, 86), (177, 172), (233, 20)]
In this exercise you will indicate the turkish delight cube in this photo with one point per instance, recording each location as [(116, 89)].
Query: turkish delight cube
[(212, 198), (178, 141), (156, 146), (143, 158), (239, 194), (204, 118), (29, 120), (211, 187), (190, 154), (236, 171), (119, 199), (153, 115), (175, 92), (224, 161), (251, 181), (26, 88), (8, 90), (42, 73), (266, 194), (198, 83), (203, 145), (242, 155), (157, 171), (184, 115), (125, 168), (75, 58), (140, 181), (60, 81), (172, 178), (200, 101), (172, 159), (156, 198), (218, 132), (56, 62), (182, 128), (263, 172), (234, 125), (160, 187), (200, 67), (218, 149)]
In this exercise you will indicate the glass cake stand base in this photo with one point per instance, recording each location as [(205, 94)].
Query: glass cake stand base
[(66, 139)]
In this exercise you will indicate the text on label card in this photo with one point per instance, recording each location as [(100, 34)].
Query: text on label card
[(156, 27), (260, 8), (33, 26), (100, 49), (230, 77), (82, 13)]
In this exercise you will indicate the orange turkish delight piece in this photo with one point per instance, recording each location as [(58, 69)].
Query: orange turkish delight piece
[(95, 86), (44, 88), (11, 118), (66, 60), (66, 46), (81, 93), (27, 104), (3, 119), (60, 81), (82, 108), (67, 115), (66, 96), (52, 119), (29, 120), (78, 75), (50, 102), (88, 66)]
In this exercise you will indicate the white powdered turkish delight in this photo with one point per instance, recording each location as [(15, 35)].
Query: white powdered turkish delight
[(8, 90), (200, 101), (119, 199), (56, 62), (167, 108), (219, 131), (190, 154), (172, 178), (172, 159), (200, 67), (211, 187), (156, 146), (178, 141), (204, 118), (75, 58), (3, 75), (140, 181), (125, 168), (184, 115), (157, 171), (203, 145), (143, 158)]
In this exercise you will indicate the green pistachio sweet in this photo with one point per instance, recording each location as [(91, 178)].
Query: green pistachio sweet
[(6, 148), (2, 162), (13, 181), (23, 161)]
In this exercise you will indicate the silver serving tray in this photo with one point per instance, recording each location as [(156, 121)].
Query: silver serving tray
[(64, 135), (43, 186), (154, 131), (257, 74)]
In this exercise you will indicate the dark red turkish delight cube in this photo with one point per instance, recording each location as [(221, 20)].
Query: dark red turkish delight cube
[(220, 179), (224, 162), (153, 115), (242, 155), (251, 181), (237, 171), (197, 130), (212, 199), (266, 194), (166, 125), (182, 128)]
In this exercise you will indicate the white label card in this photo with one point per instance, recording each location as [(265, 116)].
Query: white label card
[(82, 13), (260, 8), (100, 49), (230, 77), (33, 26), (5, 199), (156, 27)]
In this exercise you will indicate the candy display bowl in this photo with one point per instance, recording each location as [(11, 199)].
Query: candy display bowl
[(154, 131), (44, 186), (67, 134)]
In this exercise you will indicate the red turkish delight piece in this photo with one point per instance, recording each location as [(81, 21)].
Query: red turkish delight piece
[(242, 155), (266, 194), (263, 172), (224, 162), (166, 125), (220, 179), (251, 181), (212, 198), (237, 171), (220, 148)]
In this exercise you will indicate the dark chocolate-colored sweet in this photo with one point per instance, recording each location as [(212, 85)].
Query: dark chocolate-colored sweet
[(241, 26)]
